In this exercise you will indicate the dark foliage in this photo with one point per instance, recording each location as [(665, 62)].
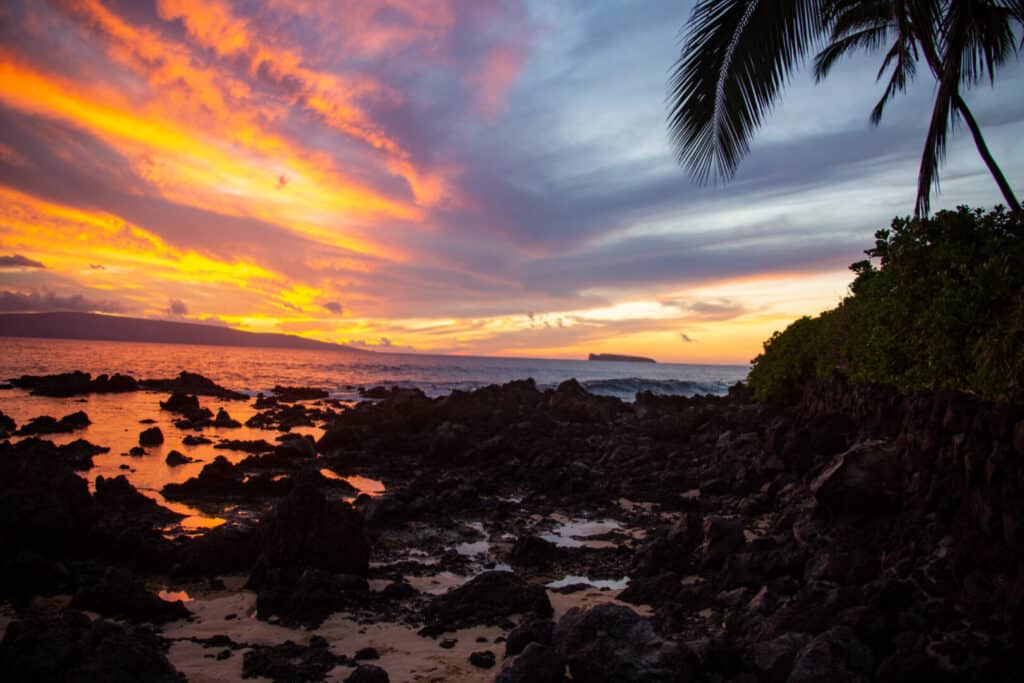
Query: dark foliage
[(943, 309)]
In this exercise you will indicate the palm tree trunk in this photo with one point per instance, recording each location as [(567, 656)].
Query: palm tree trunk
[(979, 141)]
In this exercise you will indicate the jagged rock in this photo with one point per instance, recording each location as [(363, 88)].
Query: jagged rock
[(118, 495), (44, 506), (224, 420), (7, 425), (307, 530), (534, 551), (60, 386), (537, 664), (71, 647), (220, 480), (79, 453), (45, 424), (836, 655), (246, 446), (224, 549), (610, 643), (487, 599), (865, 479), (191, 383), (182, 403), (306, 596), (773, 659), (722, 537), (531, 632), (122, 596)]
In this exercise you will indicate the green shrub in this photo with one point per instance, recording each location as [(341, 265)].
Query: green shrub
[(943, 309)]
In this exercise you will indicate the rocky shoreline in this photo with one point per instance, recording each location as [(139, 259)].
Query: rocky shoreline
[(860, 535)]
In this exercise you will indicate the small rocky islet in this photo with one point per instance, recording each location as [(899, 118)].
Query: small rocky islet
[(524, 535)]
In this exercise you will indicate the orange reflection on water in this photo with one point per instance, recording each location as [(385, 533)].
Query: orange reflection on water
[(171, 596), (371, 487)]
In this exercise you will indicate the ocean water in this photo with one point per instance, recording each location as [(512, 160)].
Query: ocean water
[(253, 370)]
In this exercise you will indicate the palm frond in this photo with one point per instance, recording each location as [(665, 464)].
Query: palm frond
[(865, 39), (731, 70), (905, 57)]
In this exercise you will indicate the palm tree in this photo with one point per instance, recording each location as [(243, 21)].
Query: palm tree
[(739, 54)]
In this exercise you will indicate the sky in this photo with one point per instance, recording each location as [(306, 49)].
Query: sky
[(449, 176)]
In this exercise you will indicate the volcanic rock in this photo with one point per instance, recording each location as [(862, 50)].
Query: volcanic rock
[(71, 647), (610, 643), (487, 599), (49, 425), (151, 437)]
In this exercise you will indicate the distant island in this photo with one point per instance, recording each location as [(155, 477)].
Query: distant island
[(621, 359), (93, 326)]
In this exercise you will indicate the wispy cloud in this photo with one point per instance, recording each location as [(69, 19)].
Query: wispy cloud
[(19, 261)]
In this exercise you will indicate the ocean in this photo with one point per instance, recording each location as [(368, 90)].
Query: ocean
[(342, 373)]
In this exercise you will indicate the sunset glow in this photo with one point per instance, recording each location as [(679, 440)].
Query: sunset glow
[(450, 177)]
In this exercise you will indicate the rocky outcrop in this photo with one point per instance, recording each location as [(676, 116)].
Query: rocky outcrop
[(306, 530), (71, 647), (45, 424), (487, 599), (610, 643)]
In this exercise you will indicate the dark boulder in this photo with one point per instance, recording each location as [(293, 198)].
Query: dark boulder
[(224, 549), (71, 647), (864, 480), (537, 664), (722, 537), (44, 506), (834, 656), (487, 599), (538, 631), (773, 659), (151, 437), (181, 403), (534, 551), (483, 659), (225, 421), (305, 597), (120, 595), (79, 453), (117, 495), (611, 643), (176, 458), (368, 673)]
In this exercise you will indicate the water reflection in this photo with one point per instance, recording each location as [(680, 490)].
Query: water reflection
[(117, 420)]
